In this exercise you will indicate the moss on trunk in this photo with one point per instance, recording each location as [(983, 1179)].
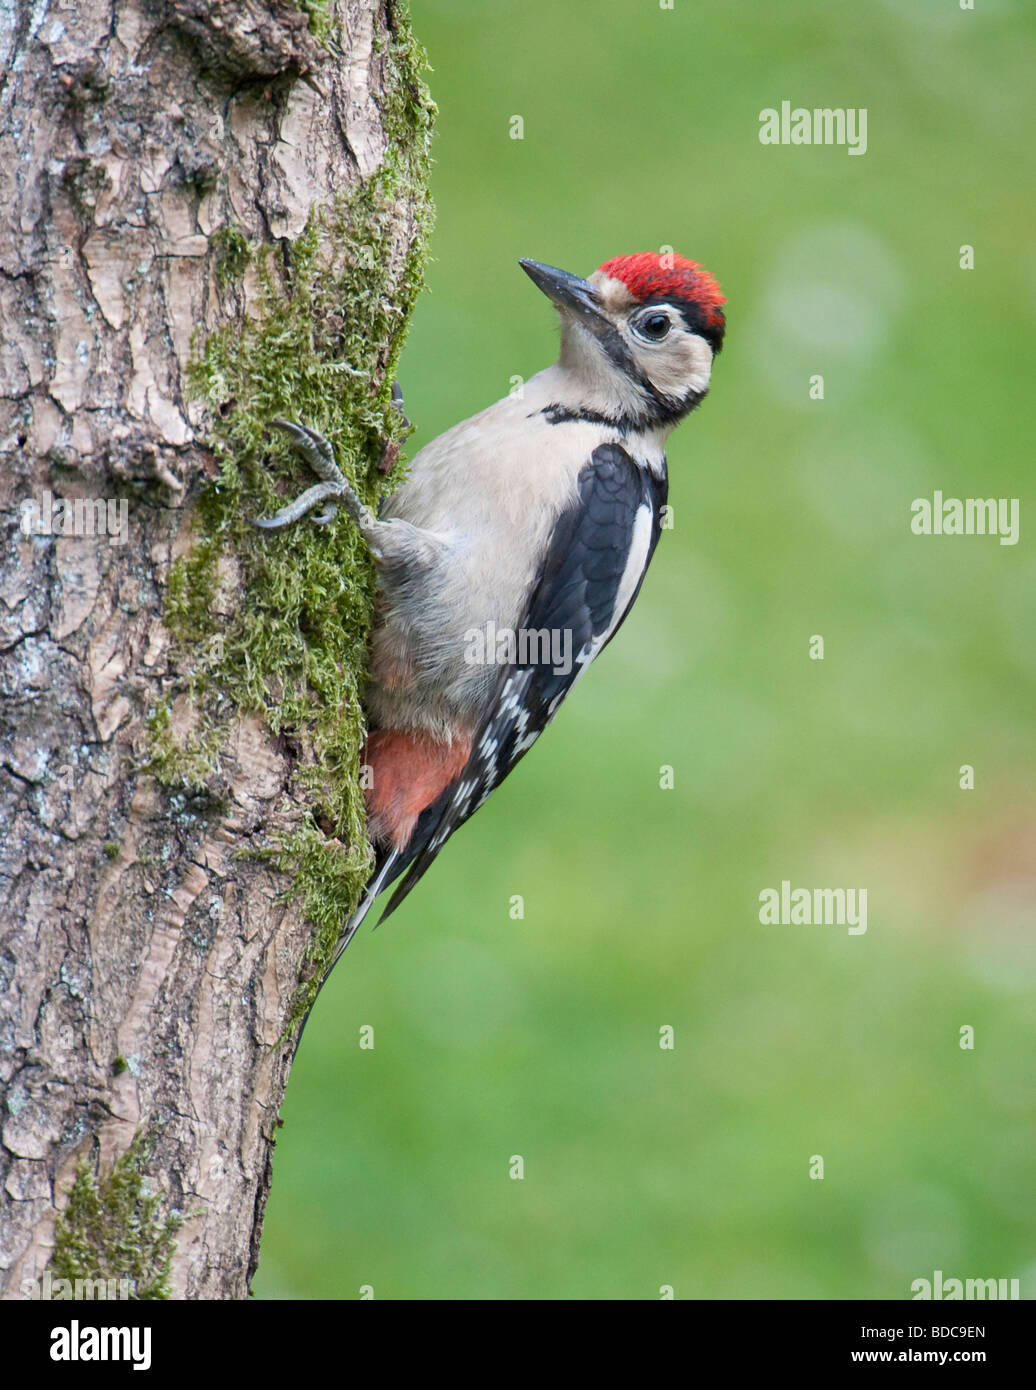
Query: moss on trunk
[(322, 348)]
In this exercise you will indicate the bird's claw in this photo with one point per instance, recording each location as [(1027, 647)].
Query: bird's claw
[(314, 448), (334, 488)]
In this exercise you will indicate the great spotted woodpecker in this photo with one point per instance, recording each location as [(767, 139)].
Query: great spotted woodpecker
[(533, 523)]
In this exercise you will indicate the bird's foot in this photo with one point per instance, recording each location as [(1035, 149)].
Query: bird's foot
[(334, 489)]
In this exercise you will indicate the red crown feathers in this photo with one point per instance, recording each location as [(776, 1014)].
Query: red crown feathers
[(653, 275)]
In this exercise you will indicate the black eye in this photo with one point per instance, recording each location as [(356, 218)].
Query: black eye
[(653, 326)]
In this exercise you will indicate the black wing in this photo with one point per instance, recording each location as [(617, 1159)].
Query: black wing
[(593, 571)]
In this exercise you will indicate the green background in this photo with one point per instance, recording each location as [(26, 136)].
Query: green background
[(540, 1037)]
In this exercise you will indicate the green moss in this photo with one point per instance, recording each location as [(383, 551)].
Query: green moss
[(191, 591), (321, 345), (120, 1065), (113, 1228), (233, 254), (111, 849), (318, 13), (184, 758)]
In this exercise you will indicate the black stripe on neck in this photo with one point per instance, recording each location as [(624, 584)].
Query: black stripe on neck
[(558, 414), (657, 410)]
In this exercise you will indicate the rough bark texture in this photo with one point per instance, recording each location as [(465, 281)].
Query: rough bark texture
[(149, 972)]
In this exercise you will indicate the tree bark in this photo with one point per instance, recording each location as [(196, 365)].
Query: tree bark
[(161, 165)]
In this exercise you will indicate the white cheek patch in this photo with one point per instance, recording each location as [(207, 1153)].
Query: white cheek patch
[(679, 365), (701, 363)]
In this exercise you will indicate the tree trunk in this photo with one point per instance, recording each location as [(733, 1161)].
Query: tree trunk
[(213, 214)]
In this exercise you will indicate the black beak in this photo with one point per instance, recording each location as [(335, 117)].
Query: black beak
[(567, 292)]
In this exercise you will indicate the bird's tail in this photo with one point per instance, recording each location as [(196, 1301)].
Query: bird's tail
[(383, 874)]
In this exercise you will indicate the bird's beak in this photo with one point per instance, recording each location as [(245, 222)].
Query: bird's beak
[(568, 292)]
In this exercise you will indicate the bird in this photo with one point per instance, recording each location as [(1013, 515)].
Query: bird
[(514, 549)]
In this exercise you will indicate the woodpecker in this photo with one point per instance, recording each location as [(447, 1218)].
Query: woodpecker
[(536, 518)]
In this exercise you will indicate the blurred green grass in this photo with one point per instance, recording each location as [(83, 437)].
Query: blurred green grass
[(539, 1037)]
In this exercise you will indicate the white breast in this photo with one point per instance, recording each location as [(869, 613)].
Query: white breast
[(492, 488)]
